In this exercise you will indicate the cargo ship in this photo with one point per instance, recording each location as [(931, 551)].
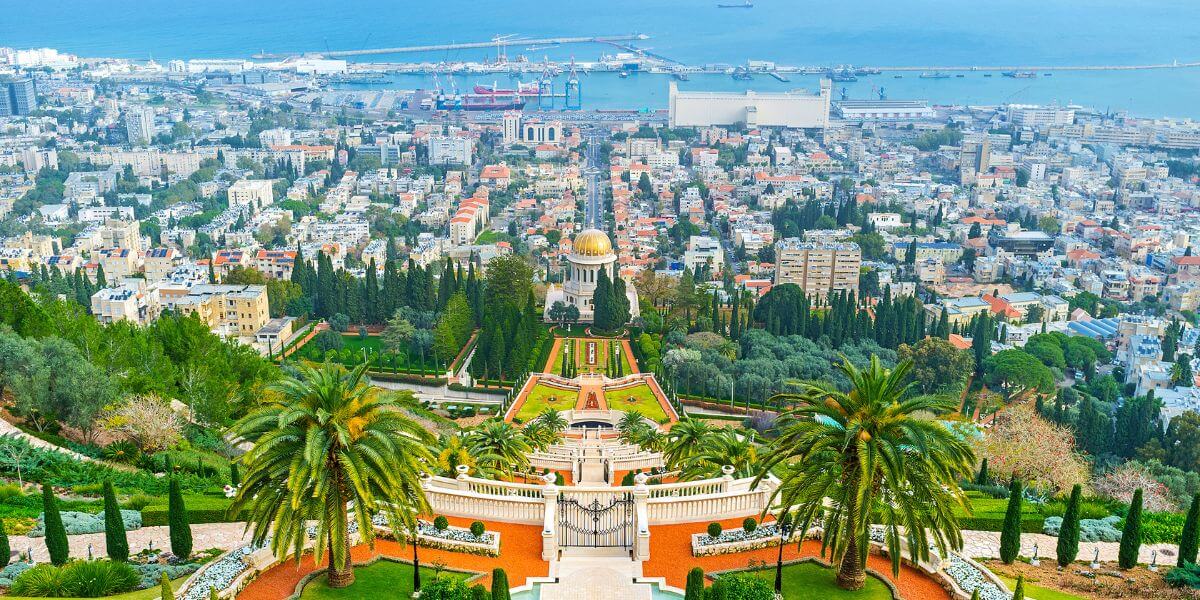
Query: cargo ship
[(746, 4), (477, 102), (935, 75), (523, 89), (1020, 74)]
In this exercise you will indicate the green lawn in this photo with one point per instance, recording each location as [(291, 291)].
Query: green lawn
[(579, 349), (644, 401), (811, 581), (384, 579), (539, 400), (147, 594), (1037, 592)]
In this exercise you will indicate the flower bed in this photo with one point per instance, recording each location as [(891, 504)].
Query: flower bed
[(970, 577), (77, 523), (217, 575), (736, 540), (452, 538)]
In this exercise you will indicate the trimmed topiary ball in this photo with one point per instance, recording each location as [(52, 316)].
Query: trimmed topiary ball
[(714, 530), (441, 523)]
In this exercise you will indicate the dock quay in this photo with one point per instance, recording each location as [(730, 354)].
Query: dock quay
[(467, 46)]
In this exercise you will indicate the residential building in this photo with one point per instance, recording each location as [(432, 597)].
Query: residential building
[(818, 268)]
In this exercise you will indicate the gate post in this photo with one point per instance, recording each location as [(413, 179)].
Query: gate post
[(550, 519), (641, 521)]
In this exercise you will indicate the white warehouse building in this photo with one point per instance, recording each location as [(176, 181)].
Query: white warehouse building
[(754, 109)]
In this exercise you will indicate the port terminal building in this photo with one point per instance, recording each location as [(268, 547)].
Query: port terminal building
[(799, 110), (884, 110)]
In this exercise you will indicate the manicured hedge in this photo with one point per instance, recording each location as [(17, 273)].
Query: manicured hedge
[(403, 378), (200, 509)]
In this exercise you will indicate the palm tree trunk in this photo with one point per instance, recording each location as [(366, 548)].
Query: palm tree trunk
[(851, 575), (343, 576)]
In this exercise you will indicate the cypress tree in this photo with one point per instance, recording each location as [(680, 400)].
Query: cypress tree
[(235, 477), (115, 542), (56, 534), (478, 592), (500, 585), (1010, 534), (5, 550), (165, 588), (983, 478), (177, 520), (975, 594), (1068, 534), (1131, 535), (1188, 543), (1019, 591), (695, 584)]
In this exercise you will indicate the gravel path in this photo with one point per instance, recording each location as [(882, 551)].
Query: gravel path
[(204, 536)]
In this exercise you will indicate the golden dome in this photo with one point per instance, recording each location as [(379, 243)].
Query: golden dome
[(592, 242)]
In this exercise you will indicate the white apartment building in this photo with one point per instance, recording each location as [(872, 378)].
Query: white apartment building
[(450, 150), (255, 193)]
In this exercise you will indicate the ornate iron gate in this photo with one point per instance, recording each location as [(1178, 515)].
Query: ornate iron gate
[(596, 524)]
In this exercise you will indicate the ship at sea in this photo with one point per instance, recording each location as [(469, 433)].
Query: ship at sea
[(935, 75), (746, 4), (1020, 74)]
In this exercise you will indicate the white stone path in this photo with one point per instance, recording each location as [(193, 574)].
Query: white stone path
[(204, 536), (596, 578), (986, 544)]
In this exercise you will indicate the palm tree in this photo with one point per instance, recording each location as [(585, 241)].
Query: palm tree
[(452, 451), (874, 452), (552, 419), (720, 448), (630, 421), (684, 440), (499, 446), (321, 441), (540, 436)]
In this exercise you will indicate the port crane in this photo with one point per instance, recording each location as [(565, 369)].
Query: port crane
[(501, 41)]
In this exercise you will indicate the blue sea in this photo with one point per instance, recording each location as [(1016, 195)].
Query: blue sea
[(790, 32)]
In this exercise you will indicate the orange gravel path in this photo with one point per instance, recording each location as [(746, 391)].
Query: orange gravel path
[(628, 350), (671, 557), (520, 548)]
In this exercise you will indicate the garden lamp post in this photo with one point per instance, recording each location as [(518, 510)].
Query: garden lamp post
[(785, 528)]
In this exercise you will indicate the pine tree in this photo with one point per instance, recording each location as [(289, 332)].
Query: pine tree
[(115, 541), (1068, 534), (1010, 533), (5, 550), (177, 520), (56, 534), (1188, 541), (695, 584), (500, 585), (1131, 535), (1019, 590)]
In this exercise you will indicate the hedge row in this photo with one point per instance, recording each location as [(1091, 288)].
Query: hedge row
[(1029, 524), (200, 509), (403, 378)]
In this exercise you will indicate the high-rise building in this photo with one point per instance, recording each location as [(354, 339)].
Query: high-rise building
[(18, 96), (139, 125), (818, 268)]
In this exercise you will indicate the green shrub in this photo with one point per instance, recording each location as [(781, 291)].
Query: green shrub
[(10, 490), (695, 584), (441, 523), (745, 586), (446, 588), (714, 530), (61, 470), (1187, 575), (749, 525), (1162, 528), (5, 549), (477, 528), (140, 501), (97, 578), (79, 579)]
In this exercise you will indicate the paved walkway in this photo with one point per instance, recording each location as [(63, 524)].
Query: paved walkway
[(596, 578), (209, 535), (986, 544)]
